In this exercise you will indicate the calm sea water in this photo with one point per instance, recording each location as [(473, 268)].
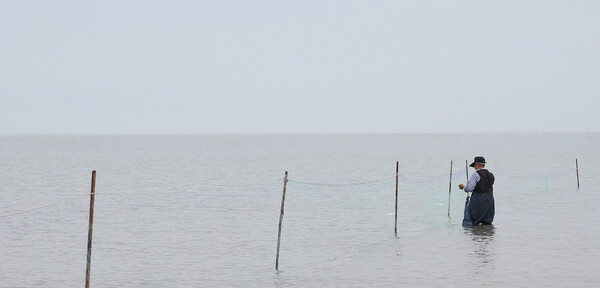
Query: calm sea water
[(203, 211)]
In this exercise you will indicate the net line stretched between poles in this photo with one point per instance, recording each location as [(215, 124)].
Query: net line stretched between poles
[(56, 203), (340, 184), (44, 206), (413, 178)]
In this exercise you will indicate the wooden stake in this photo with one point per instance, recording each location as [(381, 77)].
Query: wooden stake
[(450, 188), (577, 169), (467, 171), (90, 229), (396, 214), (285, 180)]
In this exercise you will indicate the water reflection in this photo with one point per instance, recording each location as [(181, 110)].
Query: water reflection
[(481, 232), (483, 253), (279, 280)]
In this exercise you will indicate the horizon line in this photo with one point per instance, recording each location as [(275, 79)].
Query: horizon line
[(290, 134)]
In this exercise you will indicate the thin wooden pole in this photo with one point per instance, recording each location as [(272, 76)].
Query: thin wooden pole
[(450, 188), (90, 229), (396, 214), (467, 171), (285, 180), (577, 169)]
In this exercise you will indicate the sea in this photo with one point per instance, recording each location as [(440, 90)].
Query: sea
[(204, 211)]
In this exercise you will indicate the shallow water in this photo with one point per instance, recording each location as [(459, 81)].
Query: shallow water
[(203, 211)]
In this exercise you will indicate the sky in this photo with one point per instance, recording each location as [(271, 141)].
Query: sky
[(287, 67)]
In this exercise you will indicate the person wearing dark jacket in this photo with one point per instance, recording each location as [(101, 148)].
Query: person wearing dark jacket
[(481, 183)]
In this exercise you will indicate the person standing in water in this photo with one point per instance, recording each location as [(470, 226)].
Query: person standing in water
[(481, 183)]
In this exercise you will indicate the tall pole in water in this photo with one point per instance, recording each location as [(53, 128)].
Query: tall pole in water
[(90, 229), (396, 214), (577, 169), (467, 171), (285, 180), (450, 188)]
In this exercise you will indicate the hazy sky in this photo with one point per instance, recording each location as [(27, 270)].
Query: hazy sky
[(174, 67)]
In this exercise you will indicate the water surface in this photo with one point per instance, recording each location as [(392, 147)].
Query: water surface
[(203, 211)]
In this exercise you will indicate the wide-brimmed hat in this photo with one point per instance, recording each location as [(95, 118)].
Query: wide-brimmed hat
[(478, 159)]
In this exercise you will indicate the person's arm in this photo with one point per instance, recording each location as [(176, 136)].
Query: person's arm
[(472, 182)]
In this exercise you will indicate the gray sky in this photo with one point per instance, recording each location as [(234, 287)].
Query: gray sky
[(179, 67)]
